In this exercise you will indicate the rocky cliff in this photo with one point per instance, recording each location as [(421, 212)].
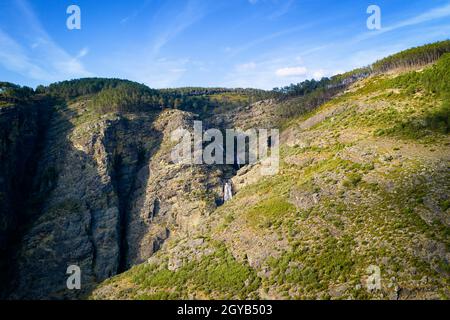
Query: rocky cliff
[(359, 209), (87, 179), (22, 127), (108, 197)]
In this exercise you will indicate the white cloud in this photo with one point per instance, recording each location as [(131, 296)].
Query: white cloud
[(83, 52), (291, 72), (319, 74), (265, 73)]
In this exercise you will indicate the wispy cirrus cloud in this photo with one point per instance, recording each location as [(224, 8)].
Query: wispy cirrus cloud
[(135, 13), (273, 72), (291, 71), (41, 59), (193, 12), (150, 65), (154, 72), (237, 50), (283, 9), (433, 14), (430, 15), (246, 66), (14, 58)]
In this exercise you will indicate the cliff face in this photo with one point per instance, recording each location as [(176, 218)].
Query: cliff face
[(363, 183), (358, 210), (107, 197), (21, 129), (78, 222), (168, 198)]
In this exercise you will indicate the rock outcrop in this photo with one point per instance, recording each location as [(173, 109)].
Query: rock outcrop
[(87, 179), (21, 129), (107, 197)]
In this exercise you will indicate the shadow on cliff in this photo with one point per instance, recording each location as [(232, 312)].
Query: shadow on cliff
[(22, 130), (132, 145), (77, 210)]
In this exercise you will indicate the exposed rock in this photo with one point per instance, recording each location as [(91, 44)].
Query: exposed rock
[(22, 128), (112, 202)]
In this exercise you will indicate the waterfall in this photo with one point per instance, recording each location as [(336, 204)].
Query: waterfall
[(227, 191)]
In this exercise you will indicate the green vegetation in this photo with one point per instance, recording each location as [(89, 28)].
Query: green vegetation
[(445, 204), (435, 80), (11, 94), (268, 211), (303, 88), (357, 186), (413, 57), (126, 97), (353, 75), (116, 95), (299, 99), (302, 104), (254, 94), (313, 93), (218, 275), (329, 262), (80, 87), (413, 105), (352, 179)]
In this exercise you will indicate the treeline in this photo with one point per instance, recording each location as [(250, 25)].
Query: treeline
[(125, 97), (7, 85), (219, 97), (296, 99), (350, 77), (134, 97), (71, 89), (302, 88), (200, 91), (308, 86), (409, 58), (413, 57), (312, 93), (116, 95), (302, 97), (290, 108), (11, 93), (109, 95), (437, 81)]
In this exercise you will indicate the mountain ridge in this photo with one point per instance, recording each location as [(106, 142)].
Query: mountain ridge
[(102, 192)]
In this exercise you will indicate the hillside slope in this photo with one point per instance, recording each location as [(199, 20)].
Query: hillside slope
[(364, 184), (87, 179)]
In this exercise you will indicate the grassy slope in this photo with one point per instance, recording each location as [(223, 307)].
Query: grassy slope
[(364, 180)]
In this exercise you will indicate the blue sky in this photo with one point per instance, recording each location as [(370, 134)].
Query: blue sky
[(231, 43)]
